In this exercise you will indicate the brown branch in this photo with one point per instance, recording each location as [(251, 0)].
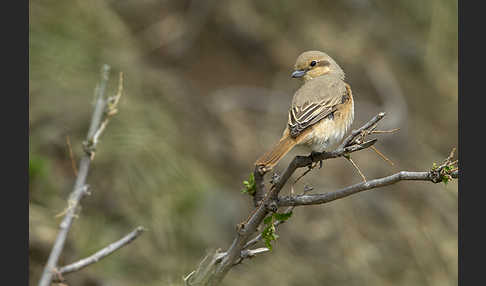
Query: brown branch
[(259, 185), (71, 156), (382, 156), (356, 167), (259, 237)]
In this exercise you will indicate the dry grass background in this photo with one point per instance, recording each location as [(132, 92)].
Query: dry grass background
[(207, 88)]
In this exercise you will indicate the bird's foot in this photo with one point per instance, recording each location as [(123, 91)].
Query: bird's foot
[(313, 156)]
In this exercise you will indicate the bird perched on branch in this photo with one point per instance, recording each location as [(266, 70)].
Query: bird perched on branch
[(322, 108)]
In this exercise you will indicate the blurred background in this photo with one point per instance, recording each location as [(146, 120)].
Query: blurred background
[(207, 89)]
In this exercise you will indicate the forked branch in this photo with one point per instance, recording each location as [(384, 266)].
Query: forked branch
[(105, 108), (100, 254), (217, 265)]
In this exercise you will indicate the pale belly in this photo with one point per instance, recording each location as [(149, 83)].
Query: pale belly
[(329, 133)]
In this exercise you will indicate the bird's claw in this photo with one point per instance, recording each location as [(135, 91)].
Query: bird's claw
[(313, 156)]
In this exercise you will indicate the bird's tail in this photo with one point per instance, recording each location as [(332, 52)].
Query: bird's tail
[(271, 158)]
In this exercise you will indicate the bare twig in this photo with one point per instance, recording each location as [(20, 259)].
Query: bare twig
[(76, 266), (356, 166), (246, 253), (315, 199), (71, 156), (111, 104), (80, 188), (451, 155), (382, 156), (367, 126), (384, 131)]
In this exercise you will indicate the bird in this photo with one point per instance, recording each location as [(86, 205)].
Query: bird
[(321, 111)]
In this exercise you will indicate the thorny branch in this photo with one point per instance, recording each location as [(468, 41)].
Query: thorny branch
[(104, 109), (216, 265)]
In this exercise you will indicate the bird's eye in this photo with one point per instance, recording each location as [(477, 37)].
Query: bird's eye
[(313, 63)]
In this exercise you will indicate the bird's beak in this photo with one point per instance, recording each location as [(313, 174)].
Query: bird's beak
[(298, 73)]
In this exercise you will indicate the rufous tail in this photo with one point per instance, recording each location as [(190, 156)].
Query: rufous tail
[(271, 158)]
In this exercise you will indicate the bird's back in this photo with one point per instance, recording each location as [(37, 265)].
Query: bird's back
[(321, 89)]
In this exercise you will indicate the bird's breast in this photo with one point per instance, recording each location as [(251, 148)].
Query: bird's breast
[(329, 132)]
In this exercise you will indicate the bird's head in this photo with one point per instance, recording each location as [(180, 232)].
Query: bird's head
[(312, 64)]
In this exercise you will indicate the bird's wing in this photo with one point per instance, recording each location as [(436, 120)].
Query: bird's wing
[(314, 103), (301, 117)]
